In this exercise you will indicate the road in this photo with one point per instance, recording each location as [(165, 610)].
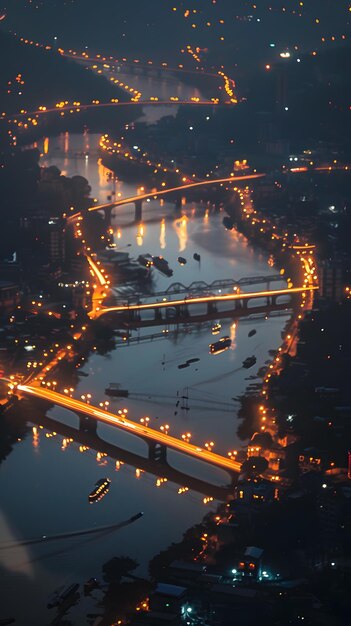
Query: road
[(132, 427), (163, 192), (201, 300)]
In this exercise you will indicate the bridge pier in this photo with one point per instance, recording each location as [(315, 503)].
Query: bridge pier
[(138, 215), (182, 310), (87, 424), (178, 205), (157, 452), (158, 314), (211, 308), (108, 214)]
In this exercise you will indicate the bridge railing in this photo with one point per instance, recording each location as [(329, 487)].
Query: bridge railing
[(197, 288)]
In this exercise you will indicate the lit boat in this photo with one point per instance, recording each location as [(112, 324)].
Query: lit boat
[(181, 260), (219, 346), (216, 328), (249, 362), (145, 260), (101, 488)]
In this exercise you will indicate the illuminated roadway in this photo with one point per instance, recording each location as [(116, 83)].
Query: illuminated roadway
[(108, 62), (78, 108), (201, 300), (163, 192), (132, 427)]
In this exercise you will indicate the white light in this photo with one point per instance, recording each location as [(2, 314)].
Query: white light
[(286, 108), (234, 571), (324, 486)]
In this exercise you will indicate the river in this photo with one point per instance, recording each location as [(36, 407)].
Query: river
[(51, 480)]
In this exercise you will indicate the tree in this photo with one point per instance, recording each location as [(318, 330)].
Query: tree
[(117, 567)]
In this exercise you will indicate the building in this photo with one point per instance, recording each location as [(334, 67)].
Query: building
[(250, 564), (331, 279), (167, 607), (9, 296), (168, 599)]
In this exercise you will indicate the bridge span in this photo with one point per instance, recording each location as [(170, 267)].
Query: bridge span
[(240, 300), (138, 199), (158, 440), (119, 455), (197, 287)]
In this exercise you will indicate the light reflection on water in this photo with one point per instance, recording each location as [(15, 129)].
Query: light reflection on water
[(52, 476)]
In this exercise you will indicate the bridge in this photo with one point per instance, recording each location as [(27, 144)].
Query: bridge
[(158, 441), (85, 437), (180, 308), (200, 286), (136, 66), (138, 200)]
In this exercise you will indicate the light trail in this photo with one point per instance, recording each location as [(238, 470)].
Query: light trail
[(132, 427), (204, 299), (163, 192)]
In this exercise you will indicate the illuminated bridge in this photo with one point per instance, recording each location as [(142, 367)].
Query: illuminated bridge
[(200, 286), (158, 441), (207, 306), (86, 438), (138, 200)]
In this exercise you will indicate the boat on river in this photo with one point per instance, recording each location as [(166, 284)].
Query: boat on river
[(61, 594), (219, 346), (137, 516), (252, 332), (100, 490), (216, 327), (162, 265), (145, 260), (114, 390), (249, 362), (181, 260)]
